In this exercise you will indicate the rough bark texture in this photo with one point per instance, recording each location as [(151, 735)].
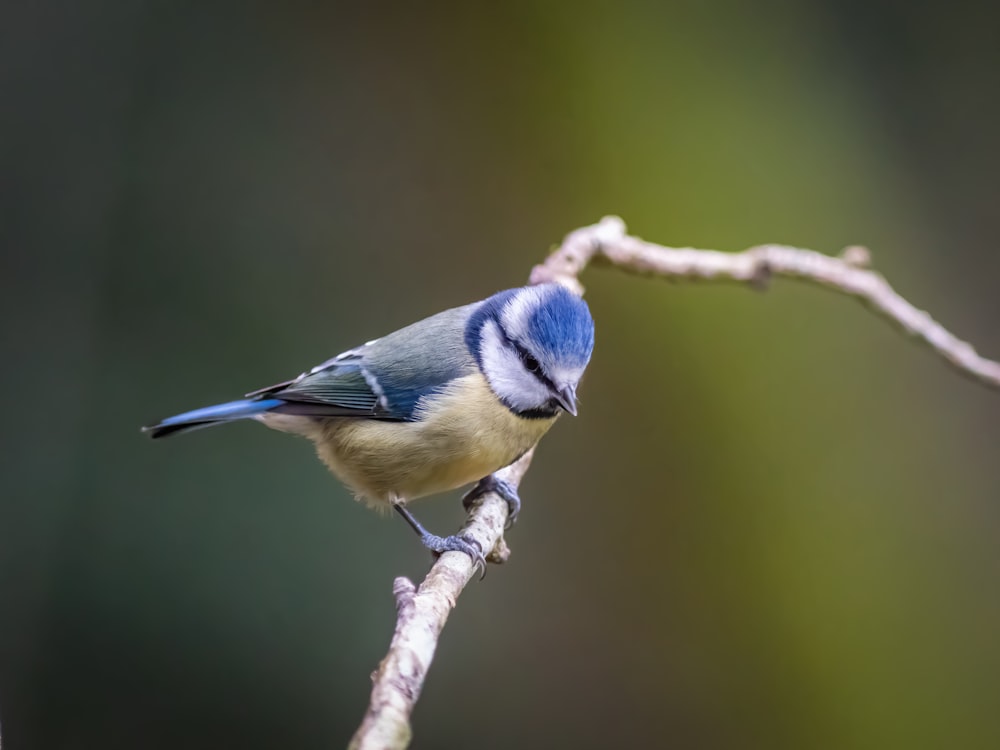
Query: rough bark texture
[(421, 615)]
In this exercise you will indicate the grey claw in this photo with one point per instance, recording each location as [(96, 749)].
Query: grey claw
[(504, 489), (456, 543)]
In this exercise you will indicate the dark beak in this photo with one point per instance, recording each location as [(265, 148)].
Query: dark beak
[(566, 398)]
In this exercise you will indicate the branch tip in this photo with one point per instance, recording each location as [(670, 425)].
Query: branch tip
[(403, 589)]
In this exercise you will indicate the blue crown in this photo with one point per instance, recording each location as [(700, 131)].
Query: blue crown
[(562, 325)]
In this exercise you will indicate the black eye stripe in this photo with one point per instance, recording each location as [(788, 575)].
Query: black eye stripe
[(527, 359), (525, 356), (551, 408)]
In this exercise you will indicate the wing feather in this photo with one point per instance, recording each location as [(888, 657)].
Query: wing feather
[(385, 378)]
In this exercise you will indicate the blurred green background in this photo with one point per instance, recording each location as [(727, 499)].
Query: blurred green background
[(775, 523)]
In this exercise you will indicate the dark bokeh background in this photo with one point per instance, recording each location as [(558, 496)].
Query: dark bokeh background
[(775, 523)]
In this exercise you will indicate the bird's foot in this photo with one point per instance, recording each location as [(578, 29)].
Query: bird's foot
[(504, 489), (441, 544), (455, 543)]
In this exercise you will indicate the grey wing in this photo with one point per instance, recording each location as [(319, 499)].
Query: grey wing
[(386, 378), (415, 362), (339, 387)]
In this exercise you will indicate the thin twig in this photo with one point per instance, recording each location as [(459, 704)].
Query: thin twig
[(422, 612), (848, 274)]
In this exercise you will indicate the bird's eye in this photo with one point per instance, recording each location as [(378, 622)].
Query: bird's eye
[(531, 364)]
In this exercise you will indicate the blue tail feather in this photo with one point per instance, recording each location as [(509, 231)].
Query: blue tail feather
[(212, 415)]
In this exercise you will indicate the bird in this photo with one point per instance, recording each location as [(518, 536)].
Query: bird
[(434, 406)]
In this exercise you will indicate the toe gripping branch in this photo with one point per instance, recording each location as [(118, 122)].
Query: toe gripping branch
[(460, 543), (440, 544), (506, 490)]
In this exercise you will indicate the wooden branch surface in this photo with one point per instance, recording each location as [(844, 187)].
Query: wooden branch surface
[(848, 274), (420, 616), (422, 612)]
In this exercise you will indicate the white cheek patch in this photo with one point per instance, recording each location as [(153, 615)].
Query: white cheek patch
[(506, 374)]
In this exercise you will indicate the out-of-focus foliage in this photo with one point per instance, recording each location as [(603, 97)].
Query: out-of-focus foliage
[(775, 523)]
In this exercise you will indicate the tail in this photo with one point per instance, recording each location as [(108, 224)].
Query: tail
[(212, 415)]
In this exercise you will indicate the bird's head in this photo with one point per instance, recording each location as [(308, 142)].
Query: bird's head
[(533, 344)]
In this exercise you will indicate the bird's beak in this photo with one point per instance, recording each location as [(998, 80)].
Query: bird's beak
[(566, 397)]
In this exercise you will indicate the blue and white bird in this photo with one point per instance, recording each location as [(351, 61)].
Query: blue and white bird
[(444, 402)]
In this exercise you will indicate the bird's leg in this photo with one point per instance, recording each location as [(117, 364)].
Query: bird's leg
[(439, 544), (493, 483)]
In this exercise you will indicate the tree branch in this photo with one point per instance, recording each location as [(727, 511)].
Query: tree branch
[(421, 615), (848, 274), (422, 612)]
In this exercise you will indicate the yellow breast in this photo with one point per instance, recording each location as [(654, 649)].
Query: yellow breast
[(464, 434)]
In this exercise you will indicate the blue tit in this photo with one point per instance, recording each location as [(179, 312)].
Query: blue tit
[(442, 403)]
